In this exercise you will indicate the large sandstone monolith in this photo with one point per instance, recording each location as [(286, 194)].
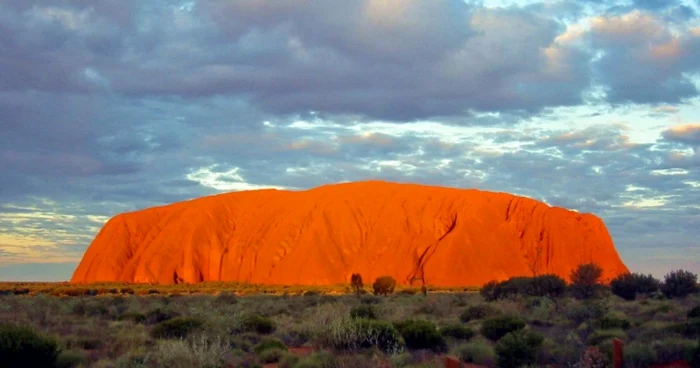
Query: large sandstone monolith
[(415, 233)]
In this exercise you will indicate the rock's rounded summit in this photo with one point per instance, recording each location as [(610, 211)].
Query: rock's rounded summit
[(415, 233)]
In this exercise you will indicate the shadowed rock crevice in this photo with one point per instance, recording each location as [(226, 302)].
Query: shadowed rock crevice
[(417, 234)]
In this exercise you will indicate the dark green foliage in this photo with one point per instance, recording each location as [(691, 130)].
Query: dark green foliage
[(490, 291), (598, 336), (159, 315), (551, 286), (267, 344), (21, 346), (258, 324), (680, 283), (639, 355), (225, 298), (133, 316), (690, 329), (610, 323), (587, 311), (176, 328), (363, 311), (518, 348), (271, 356), (628, 285), (585, 281), (90, 308), (384, 285), (23, 291), (477, 312), (129, 291), (367, 333), (421, 334), (694, 312), (496, 327), (370, 299), (356, 283), (70, 359), (457, 331), (545, 285), (91, 292), (695, 358)]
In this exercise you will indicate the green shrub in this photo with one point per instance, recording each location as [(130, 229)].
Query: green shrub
[(551, 286), (259, 324), (694, 312), (176, 328), (612, 322), (680, 283), (585, 281), (477, 351), (518, 348), (288, 361), (225, 298), (491, 291), (695, 357), (673, 349), (363, 311), (598, 336), (384, 285), (21, 346), (590, 310), (628, 285), (689, 329), (159, 315), (269, 344), (70, 359), (370, 299), (421, 334), (457, 331), (133, 316), (476, 312), (353, 334), (271, 355), (639, 356), (497, 327)]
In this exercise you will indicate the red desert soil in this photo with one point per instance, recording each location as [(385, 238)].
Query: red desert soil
[(442, 236)]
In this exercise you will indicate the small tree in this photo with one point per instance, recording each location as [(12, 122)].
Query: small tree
[(679, 284), (384, 285), (585, 280), (628, 285), (357, 284)]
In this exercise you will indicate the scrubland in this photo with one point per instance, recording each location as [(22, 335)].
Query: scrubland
[(183, 326)]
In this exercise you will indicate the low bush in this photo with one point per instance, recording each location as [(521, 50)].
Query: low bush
[(585, 281), (695, 357), (689, 329), (457, 331), (477, 351), (638, 355), (672, 350), (353, 334), (363, 311), (628, 285), (176, 328), (518, 348), (71, 359), (21, 346), (497, 327), (694, 312), (270, 356), (421, 334), (598, 336), (159, 315), (133, 316), (611, 322), (384, 285), (680, 283), (590, 310), (226, 298), (258, 324), (269, 344), (476, 312)]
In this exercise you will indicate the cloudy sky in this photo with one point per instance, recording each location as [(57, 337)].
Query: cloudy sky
[(111, 106)]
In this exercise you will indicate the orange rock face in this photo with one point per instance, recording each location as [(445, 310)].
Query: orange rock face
[(440, 236)]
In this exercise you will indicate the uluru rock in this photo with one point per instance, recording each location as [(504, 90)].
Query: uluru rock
[(415, 233)]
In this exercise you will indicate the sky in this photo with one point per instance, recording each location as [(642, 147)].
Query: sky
[(113, 106)]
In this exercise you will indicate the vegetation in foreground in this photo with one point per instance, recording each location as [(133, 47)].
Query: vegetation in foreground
[(525, 321)]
